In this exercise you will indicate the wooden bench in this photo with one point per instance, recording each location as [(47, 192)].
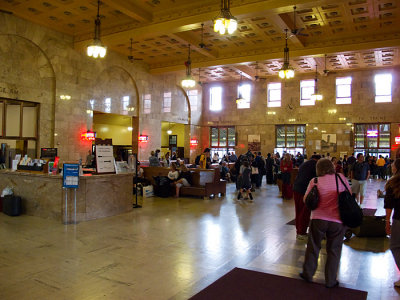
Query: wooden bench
[(205, 182)]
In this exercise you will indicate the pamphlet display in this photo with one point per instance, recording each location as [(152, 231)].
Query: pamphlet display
[(122, 167), (104, 159), (71, 176)]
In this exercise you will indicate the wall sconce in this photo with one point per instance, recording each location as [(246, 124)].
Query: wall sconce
[(342, 119), (130, 128), (292, 120), (130, 108), (332, 111), (315, 128), (65, 97), (271, 112)]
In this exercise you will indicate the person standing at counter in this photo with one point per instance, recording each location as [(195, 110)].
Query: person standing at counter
[(205, 160), (153, 160)]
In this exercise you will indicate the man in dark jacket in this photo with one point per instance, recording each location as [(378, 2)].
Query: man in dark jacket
[(307, 171)]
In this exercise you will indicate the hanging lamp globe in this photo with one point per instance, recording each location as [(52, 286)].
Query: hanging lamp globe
[(225, 22), (286, 72), (97, 49), (188, 81)]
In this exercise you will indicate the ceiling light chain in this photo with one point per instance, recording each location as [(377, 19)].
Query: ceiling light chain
[(97, 49), (188, 82), (240, 99), (316, 96), (225, 22), (286, 72)]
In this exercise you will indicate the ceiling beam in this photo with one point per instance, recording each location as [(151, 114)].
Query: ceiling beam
[(283, 21), (113, 35), (316, 51), (187, 38), (244, 70), (130, 9)]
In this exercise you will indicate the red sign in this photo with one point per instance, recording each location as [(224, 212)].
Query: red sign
[(143, 138), (88, 136), (397, 140), (194, 142)]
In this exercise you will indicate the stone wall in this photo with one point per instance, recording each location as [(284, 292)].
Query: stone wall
[(256, 120), (41, 64)]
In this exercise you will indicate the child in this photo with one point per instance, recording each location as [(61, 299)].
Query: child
[(246, 181)]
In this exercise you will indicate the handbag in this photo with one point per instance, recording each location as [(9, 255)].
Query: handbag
[(254, 170), (350, 213), (312, 199)]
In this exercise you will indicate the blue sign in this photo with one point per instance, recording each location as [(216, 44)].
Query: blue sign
[(71, 176)]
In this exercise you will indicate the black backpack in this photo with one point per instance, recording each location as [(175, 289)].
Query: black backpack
[(350, 213)]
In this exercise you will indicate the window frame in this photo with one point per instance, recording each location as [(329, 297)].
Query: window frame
[(384, 96), (246, 103), (307, 101), (107, 105), (146, 100), (274, 103), (296, 126), (227, 136), (212, 106), (167, 102), (193, 99), (365, 137), (344, 100)]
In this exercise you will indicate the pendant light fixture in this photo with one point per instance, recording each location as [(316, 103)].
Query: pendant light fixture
[(225, 22), (287, 71), (316, 96), (97, 49), (239, 98), (188, 82)]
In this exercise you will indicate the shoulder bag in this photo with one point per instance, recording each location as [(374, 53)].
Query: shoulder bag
[(312, 199), (350, 213)]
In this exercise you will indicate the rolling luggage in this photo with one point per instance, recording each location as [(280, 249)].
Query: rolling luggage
[(12, 205)]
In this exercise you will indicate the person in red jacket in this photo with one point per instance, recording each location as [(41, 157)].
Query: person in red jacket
[(286, 170)]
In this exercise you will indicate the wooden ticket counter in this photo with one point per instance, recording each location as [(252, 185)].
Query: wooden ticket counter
[(98, 196)]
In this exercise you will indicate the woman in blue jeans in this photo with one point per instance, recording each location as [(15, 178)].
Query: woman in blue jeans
[(392, 202)]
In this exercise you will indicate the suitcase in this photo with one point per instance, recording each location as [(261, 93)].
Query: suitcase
[(372, 226), (12, 205)]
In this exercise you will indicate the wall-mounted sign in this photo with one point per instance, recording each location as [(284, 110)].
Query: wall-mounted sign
[(372, 133), (88, 136), (143, 138), (397, 140), (194, 142)]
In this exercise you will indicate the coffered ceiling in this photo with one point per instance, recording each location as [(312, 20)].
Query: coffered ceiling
[(355, 34)]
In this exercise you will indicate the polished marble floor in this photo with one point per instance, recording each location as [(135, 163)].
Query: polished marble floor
[(172, 248)]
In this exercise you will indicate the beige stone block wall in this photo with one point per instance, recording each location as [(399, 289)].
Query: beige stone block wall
[(256, 120), (42, 65)]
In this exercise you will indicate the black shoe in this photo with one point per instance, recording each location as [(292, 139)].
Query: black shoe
[(304, 277), (239, 195), (334, 285), (251, 196)]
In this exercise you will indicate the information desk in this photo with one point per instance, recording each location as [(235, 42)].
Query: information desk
[(98, 196)]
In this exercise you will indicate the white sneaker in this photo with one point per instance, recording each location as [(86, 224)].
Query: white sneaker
[(397, 283)]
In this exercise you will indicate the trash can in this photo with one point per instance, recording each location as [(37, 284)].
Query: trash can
[(12, 205)]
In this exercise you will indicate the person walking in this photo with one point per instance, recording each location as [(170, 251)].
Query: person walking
[(359, 175), (307, 171), (392, 203), (269, 169), (245, 173), (325, 222)]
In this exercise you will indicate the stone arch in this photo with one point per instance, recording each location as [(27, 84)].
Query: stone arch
[(49, 70), (188, 103)]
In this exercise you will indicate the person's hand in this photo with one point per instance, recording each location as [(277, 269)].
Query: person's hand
[(388, 228)]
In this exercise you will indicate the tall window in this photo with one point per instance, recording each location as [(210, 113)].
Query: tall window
[(307, 88), (167, 102), (373, 139), (107, 105), (244, 90), (274, 94), (192, 94), (343, 90), (146, 103), (223, 139), (383, 88), (290, 136), (216, 98), (125, 103)]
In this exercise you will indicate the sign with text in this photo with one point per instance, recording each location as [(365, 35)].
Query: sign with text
[(105, 159), (71, 176)]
